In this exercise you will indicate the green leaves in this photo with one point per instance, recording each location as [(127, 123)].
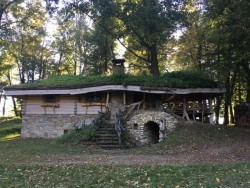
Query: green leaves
[(190, 79), (79, 136)]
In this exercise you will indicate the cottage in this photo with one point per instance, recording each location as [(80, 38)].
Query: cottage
[(148, 112)]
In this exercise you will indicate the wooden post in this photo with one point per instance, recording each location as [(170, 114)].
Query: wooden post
[(107, 99), (124, 98), (185, 114), (211, 118), (202, 116), (24, 106), (75, 105), (193, 106), (144, 101)]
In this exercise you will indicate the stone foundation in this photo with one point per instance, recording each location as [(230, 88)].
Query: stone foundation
[(142, 127), (51, 126)]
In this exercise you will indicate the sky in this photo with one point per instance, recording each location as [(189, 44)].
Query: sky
[(8, 107)]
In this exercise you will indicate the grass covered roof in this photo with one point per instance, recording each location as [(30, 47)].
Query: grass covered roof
[(177, 79)]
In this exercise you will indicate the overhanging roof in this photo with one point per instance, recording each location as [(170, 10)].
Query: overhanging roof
[(158, 90)]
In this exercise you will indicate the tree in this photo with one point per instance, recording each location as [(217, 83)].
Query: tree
[(149, 23), (212, 43)]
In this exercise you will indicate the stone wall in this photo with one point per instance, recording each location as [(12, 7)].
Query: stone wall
[(51, 125), (139, 126)]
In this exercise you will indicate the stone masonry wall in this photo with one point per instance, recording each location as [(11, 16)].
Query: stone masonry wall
[(51, 125), (139, 132)]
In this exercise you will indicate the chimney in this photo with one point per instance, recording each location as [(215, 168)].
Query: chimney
[(118, 66)]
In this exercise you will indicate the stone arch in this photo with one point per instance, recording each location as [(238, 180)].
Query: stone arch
[(136, 126)]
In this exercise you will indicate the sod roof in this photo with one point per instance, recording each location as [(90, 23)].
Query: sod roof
[(180, 79)]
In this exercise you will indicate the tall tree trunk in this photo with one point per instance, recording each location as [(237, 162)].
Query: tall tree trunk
[(78, 41), (1, 12), (15, 107), (227, 102), (246, 68), (154, 62), (13, 100), (106, 54), (231, 113), (217, 109), (248, 90), (232, 87), (4, 103)]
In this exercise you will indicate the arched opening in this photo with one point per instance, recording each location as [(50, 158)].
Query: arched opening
[(151, 130)]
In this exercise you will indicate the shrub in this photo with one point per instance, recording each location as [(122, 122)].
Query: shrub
[(78, 136)]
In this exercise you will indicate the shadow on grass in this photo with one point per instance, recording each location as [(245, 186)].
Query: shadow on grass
[(10, 128)]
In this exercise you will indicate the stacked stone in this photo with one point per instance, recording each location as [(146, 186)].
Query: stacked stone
[(141, 133)]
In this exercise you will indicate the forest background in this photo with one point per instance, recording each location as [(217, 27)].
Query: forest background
[(213, 38)]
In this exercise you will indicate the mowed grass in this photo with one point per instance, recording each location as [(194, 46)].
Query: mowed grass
[(17, 168), (234, 175), (191, 137)]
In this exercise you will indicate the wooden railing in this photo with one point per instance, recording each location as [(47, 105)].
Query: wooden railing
[(102, 116), (118, 125), (131, 109)]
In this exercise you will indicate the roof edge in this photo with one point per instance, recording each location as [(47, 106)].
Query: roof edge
[(156, 90)]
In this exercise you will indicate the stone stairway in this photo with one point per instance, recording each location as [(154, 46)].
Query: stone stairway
[(107, 137)]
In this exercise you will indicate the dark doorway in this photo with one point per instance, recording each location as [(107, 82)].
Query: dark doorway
[(151, 130), (137, 96)]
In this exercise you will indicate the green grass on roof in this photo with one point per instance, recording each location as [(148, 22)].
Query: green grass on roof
[(178, 79)]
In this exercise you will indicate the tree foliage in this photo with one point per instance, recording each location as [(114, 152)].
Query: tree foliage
[(88, 34), (142, 27)]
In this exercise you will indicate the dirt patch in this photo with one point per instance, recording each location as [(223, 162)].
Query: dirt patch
[(233, 153)]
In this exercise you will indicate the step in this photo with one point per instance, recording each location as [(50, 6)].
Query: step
[(106, 129), (107, 134), (107, 142), (100, 141), (111, 147), (112, 121), (107, 137)]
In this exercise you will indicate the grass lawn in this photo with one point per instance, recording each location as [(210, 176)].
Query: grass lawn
[(24, 162)]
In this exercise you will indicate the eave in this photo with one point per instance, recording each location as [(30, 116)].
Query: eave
[(158, 90)]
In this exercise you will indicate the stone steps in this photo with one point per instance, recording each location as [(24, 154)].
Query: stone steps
[(107, 137)]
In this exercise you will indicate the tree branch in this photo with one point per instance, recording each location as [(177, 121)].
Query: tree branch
[(117, 38)]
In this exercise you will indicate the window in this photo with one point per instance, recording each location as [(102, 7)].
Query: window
[(50, 99), (94, 97)]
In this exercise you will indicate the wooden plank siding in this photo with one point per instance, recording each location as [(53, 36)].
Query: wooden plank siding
[(66, 104), (33, 105), (83, 109)]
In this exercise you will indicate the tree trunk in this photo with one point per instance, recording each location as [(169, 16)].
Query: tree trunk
[(246, 68), (1, 13), (106, 54), (15, 107), (231, 113), (13, 100), (248, 90), (227, 102), (154, 62), (4, 103), (78, 41), (217, 109)]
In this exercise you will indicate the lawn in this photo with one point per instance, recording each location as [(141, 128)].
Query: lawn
[(47, 163)]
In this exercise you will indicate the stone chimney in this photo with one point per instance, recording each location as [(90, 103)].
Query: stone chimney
[(118, 66)]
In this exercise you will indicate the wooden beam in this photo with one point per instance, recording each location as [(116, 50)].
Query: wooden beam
[(107, 99), (124, 97), (185, 114), (160, 90)]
